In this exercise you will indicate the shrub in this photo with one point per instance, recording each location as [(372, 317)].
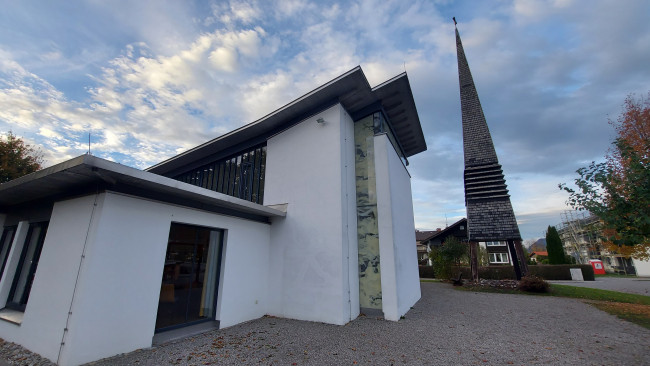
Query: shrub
[(448, 257), (533, 284)]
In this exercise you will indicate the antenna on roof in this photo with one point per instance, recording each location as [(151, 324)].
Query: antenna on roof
[(446, 223), (88, 143)]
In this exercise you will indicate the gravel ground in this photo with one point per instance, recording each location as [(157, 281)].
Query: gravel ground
[(632, 285), (445, 327)]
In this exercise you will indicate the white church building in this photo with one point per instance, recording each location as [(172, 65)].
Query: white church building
[(305, 214)]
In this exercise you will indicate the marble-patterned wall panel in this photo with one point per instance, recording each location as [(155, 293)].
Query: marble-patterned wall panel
[(367, 231)]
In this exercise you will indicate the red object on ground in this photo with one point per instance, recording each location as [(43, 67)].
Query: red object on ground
[(598, 266)]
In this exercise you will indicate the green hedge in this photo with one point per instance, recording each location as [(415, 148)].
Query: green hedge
[(561, 271), (426, 272), (548, 272)]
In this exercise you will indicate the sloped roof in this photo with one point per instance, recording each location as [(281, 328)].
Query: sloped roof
[(421, 235), (88, 174), (351, 89), (446, 230)]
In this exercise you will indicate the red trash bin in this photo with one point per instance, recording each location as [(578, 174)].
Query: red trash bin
[(597, 264)]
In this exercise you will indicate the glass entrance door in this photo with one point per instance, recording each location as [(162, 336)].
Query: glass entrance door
[(188, 292)]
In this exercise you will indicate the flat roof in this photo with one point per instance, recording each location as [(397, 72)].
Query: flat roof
[(87, 174), (351, 90)]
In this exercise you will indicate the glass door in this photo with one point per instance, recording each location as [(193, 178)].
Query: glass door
[(188, 291)]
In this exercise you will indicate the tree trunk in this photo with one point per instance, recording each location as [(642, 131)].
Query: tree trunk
[(523, 261), (473, 260)]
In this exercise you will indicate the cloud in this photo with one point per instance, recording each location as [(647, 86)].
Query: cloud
[(173, 75)]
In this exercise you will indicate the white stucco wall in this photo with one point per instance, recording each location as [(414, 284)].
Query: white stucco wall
[(313, 249), (642, 267), (400, 283), (49, 301), (116, 298), (116, 303)]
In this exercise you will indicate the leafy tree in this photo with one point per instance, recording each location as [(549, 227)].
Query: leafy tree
[(451, 253), (618, 190), (17, 158), (554, 247)]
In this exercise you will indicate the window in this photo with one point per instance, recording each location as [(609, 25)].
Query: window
[(241, 175), (188, 292), (499, 258), (5, 246), (26, 270), (495, 243)]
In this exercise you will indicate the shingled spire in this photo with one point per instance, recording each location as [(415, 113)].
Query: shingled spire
[(489, 212)]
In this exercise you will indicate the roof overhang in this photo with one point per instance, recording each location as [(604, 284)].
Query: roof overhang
[(88, 174), (351, 90)]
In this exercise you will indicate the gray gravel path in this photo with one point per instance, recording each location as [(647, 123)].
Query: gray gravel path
[(446, 327), (632, 285)]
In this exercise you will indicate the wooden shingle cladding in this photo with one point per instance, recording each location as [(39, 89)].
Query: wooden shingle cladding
[(489, 212)]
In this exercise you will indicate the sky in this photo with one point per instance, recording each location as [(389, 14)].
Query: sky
[(150, 79)]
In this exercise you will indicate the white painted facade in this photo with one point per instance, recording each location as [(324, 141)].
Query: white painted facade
[(400, 280), (97, 287), (642, 267), (116, 297), (310, 167)]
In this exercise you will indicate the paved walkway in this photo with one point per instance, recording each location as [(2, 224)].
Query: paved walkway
[(633, 285), (446, 327)]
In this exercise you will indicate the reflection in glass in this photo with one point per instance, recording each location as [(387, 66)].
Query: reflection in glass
[(190, 276), (5, 246), (240, 175), (26, 270)]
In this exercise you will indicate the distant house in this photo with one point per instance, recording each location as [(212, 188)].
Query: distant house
[(538, 256), (423, 252), (437, 238)]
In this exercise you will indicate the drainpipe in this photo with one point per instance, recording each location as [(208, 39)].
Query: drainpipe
[(76, 282)]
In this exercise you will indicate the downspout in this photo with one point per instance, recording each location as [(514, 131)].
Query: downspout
[(74, 291)]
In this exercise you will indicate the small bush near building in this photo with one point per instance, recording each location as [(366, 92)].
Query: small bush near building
[(533, 284), (447, 258)]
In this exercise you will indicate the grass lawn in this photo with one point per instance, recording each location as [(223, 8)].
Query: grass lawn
[(614, 275), (598, 295), (631, 307)]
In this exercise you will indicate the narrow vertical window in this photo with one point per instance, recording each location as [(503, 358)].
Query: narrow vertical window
[(26, 270), (5, 246)]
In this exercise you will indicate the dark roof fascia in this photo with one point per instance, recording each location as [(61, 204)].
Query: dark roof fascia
[(398, 85), (248, 144), (351, 90), (272, 121), (446, 230), (87, 174)]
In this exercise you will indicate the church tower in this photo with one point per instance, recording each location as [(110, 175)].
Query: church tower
[(490, 216)]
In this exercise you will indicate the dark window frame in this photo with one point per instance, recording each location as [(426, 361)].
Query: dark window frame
[(218, 280), (22, 303), (3, 240), (226, 175)]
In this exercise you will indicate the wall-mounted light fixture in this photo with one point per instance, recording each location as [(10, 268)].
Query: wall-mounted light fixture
[(320, 120)]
